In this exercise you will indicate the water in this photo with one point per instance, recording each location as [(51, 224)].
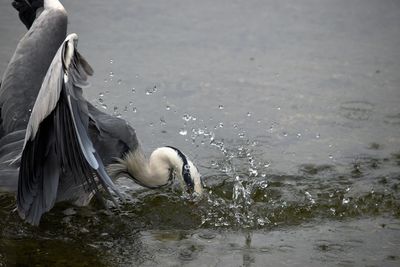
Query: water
[(289, 109)]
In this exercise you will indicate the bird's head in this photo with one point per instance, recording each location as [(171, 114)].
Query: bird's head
[(187, 172)]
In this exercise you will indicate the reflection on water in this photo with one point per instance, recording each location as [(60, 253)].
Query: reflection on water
[(290, 110)]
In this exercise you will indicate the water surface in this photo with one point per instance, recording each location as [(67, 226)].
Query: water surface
[(289, 108)]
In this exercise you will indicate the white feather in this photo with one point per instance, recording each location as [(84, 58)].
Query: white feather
[(53, 4), (156, 171)]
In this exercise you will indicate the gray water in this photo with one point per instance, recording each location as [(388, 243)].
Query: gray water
[(290, 109)]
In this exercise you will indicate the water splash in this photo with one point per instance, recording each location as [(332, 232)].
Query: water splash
[(241, 201)]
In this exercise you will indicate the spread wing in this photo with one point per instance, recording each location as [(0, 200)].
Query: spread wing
[(57, 141)]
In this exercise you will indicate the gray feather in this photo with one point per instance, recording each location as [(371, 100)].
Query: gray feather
[(57, 139), (23, 77), (84, 141)]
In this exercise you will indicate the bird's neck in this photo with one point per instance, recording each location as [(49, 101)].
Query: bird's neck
[(52, 4), (154, 172), (164, 160)]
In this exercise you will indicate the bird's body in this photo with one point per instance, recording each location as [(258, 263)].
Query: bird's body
[(20, 87), (54, 145)]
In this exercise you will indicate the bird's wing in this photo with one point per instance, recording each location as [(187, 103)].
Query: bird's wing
[(111, 136), (56, 140)]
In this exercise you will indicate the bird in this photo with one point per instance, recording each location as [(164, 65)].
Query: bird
[(54, 144)]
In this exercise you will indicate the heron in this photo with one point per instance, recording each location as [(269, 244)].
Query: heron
[(55, 145)]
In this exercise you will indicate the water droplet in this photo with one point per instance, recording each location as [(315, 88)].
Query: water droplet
[(221, 107), (310, 197), (152, 90), (330, 157), (104, 106), (134, 109), (278, 108), (119, 81), (285, 134), (111, 61), (241, 135), (133, 90), (101, 94), (168, 108), (162, 121), (267, 164), (186, 117), (111, 74), (333, 211), (298, 135), (263, 184), (183, 132), (317, 136), (151, 124), (221, 125), (253, 172), (248, 114)]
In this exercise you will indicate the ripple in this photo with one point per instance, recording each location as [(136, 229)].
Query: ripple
[(356, 110), (207, 235), (313, 169), (392, 119), (324, 245), (188, 253)]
